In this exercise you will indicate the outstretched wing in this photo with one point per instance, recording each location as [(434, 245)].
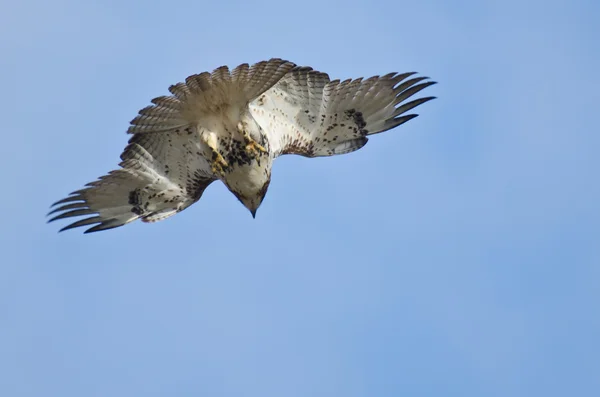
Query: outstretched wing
[(307, 114), (160, 175), (205, 96)]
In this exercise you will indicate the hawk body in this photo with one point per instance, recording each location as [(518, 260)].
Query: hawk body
[(231, 126)]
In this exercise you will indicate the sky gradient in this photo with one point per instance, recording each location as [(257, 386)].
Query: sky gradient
[(457, 255)]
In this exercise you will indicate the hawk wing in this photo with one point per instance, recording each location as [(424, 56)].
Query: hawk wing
[(307, 114), (160, 175), (207, 95), (163, 169)]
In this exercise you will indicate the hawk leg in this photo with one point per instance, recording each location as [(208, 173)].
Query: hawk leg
[(218, 163), (251, 145)]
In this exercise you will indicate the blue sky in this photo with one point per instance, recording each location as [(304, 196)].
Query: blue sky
[(457, 255)]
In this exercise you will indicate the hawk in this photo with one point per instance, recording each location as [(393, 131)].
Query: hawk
[(231, 126)]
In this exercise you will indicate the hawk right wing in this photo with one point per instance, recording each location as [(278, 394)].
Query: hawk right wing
[(160, 175), (306, 113)]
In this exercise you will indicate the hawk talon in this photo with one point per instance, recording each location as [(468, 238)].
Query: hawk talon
[(251, 145), (255, 148), (219, 164)]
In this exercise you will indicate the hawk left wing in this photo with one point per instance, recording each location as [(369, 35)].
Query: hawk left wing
[(161, 174), (307, 114)]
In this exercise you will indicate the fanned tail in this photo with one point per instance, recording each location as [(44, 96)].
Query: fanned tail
[(205, 95)]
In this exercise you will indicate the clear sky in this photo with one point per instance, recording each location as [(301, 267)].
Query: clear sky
[(458, 255)]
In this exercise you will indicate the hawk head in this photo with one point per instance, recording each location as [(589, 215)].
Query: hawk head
[(252, 200), (252, 189)]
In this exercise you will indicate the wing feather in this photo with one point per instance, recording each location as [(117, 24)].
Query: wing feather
[(160, 175), (306, 113)]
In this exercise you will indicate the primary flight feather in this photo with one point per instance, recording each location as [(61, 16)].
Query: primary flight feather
[(230, 126)]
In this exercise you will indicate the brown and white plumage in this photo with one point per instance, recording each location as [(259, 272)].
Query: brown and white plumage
[(307, 114), (206, 96), (160, 175), (231, 126)]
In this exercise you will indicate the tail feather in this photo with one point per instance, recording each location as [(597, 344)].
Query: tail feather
[(207, 93)]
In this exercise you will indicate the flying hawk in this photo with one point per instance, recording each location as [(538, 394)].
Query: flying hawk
[(231, 126)]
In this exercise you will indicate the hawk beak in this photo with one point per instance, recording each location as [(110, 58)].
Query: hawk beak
[(253, 212)]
